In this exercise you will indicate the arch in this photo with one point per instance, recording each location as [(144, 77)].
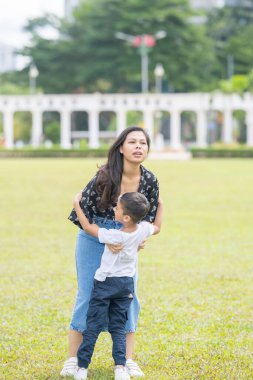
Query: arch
[(1, 129), (215, 122), (188, 127), (79, 129), (239, 126), (51, 122), (107, 127), (107, 121), (79, 121), (135, 118), (162, 125), (22, 128)]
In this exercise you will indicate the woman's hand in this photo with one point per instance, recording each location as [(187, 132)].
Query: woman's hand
[(142, 245), (114, 248), (77, 198)]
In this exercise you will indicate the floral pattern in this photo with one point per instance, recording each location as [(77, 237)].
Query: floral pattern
[(148, 186)]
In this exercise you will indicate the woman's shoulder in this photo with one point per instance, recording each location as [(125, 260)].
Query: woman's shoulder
[(148, 175)]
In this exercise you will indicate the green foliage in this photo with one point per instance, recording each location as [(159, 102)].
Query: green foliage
[(237, 151), (52, 132), (195, 277), (134, 118), (8, 88), (238, 83), (89, 58), (22, 126), (231, 29), (55, 151)]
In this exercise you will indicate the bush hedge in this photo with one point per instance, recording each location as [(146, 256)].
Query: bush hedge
[(55, 152), (211, 152)]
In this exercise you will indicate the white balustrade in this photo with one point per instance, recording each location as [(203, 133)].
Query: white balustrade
[(149, 104)]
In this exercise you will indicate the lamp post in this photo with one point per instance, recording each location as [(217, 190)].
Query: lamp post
[(33, 74), (144, 43), (159, 139), (159, 73), (230, 66)]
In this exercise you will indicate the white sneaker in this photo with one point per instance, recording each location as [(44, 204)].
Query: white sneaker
[(81, 374), (133, 369), (121, 373), (69, 367)]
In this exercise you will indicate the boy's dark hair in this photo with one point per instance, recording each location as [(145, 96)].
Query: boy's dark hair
[(135, 205)]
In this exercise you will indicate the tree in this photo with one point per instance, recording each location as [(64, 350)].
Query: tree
[(231, 28), (87, 57)]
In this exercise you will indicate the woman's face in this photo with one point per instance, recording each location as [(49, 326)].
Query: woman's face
[(135, 147)]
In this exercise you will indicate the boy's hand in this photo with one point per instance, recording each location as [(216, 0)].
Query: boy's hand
[(142, 245), (115, 248), (77, 198)]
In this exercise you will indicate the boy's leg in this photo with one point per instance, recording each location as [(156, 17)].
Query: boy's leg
[(117, 319), (96, 320)]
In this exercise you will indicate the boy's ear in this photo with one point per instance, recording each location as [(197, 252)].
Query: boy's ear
[(126, 218)]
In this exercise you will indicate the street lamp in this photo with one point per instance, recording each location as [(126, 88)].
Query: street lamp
[(144, 43), (33, 74), (159, 73)]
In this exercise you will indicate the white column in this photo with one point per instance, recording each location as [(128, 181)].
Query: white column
[(36, 128), (93, 129), (8, 129), (201, 129), (149, 124), (121, 121), (228, 127), (65, 129), (249, 122), (175, 130)]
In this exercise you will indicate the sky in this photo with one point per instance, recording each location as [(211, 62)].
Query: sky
[(15, 13)]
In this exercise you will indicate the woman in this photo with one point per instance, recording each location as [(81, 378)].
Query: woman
[(122, 173)]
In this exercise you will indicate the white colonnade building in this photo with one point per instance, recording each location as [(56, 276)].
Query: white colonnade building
[(201, 105)]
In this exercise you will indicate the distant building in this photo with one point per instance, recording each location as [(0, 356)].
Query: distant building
[(69, 6), (7, 58), (206, 4)]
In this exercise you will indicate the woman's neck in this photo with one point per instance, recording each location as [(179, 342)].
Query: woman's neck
[(131, 170)]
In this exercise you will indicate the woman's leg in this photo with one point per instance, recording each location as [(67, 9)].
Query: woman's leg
[(130, 343), (88, 257), (75, 339)]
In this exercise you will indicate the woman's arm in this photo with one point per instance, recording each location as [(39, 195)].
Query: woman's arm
[(150, 188), (158, 218), (92, 229), (87, 202)]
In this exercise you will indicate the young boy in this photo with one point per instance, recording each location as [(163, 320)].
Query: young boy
[(113, 284)]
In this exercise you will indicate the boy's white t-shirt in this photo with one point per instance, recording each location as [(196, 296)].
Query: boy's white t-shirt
[(123, 263)]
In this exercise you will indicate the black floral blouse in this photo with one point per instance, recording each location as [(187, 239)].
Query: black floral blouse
[(90, 198)]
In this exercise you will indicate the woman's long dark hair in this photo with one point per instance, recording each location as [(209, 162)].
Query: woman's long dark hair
[(110, 175)]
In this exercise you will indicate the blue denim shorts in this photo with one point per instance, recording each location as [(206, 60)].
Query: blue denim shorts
[(88, 257)]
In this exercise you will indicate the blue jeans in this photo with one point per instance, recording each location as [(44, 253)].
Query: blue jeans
[(110, 299), (88, 257)]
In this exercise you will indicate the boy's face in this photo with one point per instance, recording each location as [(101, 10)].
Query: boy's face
[(118, 212)]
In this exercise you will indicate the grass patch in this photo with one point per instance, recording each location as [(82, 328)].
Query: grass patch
[(195, 278)]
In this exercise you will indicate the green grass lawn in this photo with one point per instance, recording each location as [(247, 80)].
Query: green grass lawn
[(195, 278)]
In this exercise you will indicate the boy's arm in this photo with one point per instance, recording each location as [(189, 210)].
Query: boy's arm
[(158, 219), (92, 229)]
